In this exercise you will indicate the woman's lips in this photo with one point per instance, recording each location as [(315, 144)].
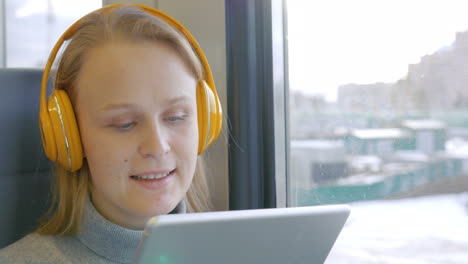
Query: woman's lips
[(154, 183)]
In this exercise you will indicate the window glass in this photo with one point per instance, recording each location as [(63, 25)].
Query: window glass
[(33, 27), (379, 119)]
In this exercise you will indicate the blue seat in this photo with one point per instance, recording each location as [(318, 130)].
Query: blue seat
[(24, 169)]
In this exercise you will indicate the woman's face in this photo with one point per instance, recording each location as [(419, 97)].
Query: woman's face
[(136, 109)]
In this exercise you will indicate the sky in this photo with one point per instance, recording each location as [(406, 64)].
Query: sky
[(335, 42)]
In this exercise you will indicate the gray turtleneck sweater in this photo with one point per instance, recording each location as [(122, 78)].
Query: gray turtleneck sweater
[(99, 241)]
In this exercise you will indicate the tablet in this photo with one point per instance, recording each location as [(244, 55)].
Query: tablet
[(271, 236)]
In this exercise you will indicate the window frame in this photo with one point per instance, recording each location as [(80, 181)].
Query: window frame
[(3, 55), (257, 104)]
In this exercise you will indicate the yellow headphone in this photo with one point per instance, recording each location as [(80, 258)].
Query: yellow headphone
[(58, 126)]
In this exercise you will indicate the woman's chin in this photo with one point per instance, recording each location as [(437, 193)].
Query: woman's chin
[(155, 209)]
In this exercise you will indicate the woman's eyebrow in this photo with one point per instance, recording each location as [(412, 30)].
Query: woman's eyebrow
[(119, 106), (131, 106), (178, 99)]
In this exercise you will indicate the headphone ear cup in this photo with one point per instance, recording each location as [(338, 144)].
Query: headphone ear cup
[(209, 116), (66, 133), (47, 136)]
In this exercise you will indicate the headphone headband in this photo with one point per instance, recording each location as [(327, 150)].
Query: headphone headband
[(157, 13)]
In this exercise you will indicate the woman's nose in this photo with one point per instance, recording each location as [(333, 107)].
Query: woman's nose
[(154, 143)]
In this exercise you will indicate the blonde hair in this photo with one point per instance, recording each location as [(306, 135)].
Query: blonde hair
[(123, 23)]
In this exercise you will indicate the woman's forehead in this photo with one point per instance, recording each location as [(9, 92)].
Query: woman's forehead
[(121, 72)]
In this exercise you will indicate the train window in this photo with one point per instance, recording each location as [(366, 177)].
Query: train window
[(33, 26), (378, 118)]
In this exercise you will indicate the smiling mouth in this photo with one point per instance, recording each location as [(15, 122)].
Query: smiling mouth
[(152, 176)]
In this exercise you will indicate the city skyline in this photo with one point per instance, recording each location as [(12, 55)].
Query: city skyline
[(406, 26)]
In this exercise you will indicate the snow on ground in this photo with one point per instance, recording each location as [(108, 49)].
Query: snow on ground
[(423, 230)]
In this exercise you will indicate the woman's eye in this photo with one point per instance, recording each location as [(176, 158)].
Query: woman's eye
[(126, 126), (176, 118)]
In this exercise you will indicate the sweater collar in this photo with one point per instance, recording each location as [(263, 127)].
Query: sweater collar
[(109, 240)]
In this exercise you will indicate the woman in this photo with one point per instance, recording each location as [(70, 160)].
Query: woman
[(135, 84)]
